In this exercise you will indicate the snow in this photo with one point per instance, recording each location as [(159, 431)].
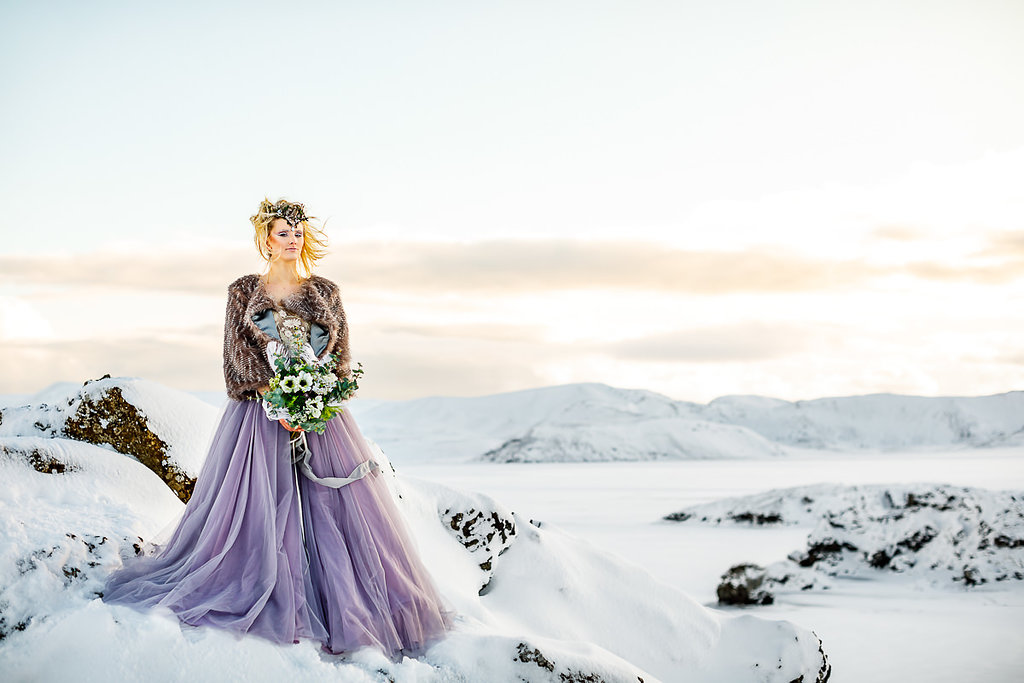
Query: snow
[(596, 422), (595, 580), (553, 606), (889, 629)]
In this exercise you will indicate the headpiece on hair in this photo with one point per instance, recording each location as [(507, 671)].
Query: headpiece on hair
[(294, 213)]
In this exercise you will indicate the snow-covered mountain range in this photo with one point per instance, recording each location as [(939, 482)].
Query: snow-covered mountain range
[(592, 422)]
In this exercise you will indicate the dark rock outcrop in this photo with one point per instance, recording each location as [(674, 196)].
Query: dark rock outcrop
[(744, 584), (939, 532), (112, 420), (486, 534)]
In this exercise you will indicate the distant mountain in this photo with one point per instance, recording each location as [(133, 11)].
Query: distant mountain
[(592, 421)]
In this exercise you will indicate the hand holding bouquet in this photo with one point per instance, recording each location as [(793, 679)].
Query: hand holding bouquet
[(305, 391)]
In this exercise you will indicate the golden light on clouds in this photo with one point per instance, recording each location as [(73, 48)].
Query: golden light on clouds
[(527, 265), (464, 318)]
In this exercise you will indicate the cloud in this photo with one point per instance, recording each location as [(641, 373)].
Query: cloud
[(488, 332), (541, 265), (511, 267), (414, 374), (1012, 358), (996, 274), (28, 368), (898, 233), (493, 266), (1005, 243), (163, 269), (470, 368), (738, 342)]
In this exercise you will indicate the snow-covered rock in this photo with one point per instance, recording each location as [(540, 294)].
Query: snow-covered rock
[(555, 608), (935, 534), (166, 430)]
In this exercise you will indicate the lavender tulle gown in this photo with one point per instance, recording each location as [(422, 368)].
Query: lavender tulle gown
[(237, 559)]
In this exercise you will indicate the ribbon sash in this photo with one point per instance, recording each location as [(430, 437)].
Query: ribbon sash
[(301, 455)]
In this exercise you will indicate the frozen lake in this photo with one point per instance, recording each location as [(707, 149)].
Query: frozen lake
[(879, 631)]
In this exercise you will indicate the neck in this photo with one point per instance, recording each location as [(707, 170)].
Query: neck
[(283, 272)]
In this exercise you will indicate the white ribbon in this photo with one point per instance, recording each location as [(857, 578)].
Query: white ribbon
[(302, 454)]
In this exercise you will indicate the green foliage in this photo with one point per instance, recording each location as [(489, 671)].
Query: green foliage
[(295, 386)]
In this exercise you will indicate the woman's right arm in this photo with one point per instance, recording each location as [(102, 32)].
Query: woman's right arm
[(238, 361)]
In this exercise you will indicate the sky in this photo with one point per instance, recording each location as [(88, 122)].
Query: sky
[(774, 197)]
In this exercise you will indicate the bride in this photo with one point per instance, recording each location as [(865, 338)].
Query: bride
[(272, 548)]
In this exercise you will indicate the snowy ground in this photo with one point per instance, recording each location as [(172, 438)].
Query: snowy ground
[(90, 479), (890, 629), (879, 631)]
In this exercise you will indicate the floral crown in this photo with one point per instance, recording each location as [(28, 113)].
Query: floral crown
[(294, 213)]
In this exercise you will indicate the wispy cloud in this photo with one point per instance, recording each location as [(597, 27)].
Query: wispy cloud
[(510, 266), (26, 368), (898, 233), (484, 331), (742, 341)]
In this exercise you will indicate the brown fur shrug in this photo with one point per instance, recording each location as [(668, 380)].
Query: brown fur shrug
[(246, 367)]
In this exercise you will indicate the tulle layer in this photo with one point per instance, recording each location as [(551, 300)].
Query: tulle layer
[(237, 559)]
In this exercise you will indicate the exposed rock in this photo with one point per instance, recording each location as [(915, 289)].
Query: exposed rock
[(783, 507), (40, 460), (110, 419), (827, 549), (825, 672), (757, 518), (534, 655), (938, 532), (485, 534), (743, 584), (72, 566)]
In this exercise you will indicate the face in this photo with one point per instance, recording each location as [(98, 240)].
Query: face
[(285, 242)]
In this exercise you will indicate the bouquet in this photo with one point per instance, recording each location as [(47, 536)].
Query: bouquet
[(304, 391)]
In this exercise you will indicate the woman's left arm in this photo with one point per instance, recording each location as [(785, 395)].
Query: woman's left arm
[(341, 347)]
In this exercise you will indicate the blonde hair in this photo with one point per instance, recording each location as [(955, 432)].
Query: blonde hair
[(314, 241)]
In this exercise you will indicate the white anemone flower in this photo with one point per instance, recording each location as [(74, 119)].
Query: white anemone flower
[(288, 384), (304, 381), (315, 407)]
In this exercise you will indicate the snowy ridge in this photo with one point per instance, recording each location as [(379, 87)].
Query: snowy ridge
[(936, 534), (71, 512), (184, 423), (591, 422), (883, 421)]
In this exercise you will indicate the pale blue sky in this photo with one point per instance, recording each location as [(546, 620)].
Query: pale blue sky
[(869, 136)]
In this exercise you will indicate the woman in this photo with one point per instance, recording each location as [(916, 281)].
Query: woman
[(262, 548)]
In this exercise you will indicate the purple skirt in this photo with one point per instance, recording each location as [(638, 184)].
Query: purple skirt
[(238, 558)]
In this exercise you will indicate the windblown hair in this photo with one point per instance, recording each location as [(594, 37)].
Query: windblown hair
[(314, 242)]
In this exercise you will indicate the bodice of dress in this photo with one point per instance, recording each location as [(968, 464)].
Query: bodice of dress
[(293, 329)]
